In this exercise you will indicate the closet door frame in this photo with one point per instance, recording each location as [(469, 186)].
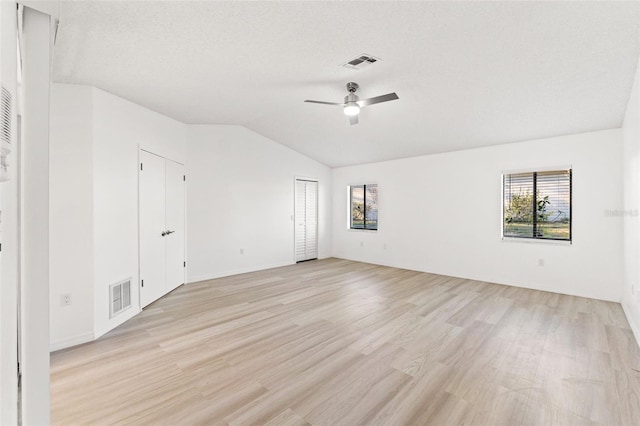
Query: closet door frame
[(184, 235), (293, 216)]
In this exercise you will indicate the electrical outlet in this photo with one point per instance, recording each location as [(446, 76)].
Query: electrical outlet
[(384, 246), (540, 262), (241, 251), (65, 299), (361, 243)]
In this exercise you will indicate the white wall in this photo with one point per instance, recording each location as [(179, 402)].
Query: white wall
[(95, 137), (442, 214), (119, 128), (631, 186), (94, 183), (95, 141), (71, 215), (240, 188)]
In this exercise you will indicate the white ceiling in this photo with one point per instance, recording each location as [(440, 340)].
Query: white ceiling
[(467, 74)]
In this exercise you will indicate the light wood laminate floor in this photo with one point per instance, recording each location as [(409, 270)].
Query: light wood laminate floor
[(335, 342)]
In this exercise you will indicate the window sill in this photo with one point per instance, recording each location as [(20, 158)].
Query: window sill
[(361, 230), (536, 241)]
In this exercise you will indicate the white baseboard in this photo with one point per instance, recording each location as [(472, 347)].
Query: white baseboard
[(566, 291), (230, 272), (71, 341), (634, 327)]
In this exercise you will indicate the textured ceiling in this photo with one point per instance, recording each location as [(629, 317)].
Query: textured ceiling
[(467, 74)]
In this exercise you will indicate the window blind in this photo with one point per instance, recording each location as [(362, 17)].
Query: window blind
[(364, 206), (537, 205)]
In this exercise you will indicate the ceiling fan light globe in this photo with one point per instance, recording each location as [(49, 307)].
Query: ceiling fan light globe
[(351, 109)]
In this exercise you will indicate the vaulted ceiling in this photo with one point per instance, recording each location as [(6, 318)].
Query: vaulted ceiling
[(468, 74)]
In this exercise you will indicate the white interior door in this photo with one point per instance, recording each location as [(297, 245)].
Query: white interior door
[(175, 224), (152, 226), (306, 220)]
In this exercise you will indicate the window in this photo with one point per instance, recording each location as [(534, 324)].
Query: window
[(537, 205), (363, 206)]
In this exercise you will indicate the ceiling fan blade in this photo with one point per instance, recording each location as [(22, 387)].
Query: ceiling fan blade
[(378, 99), (353, 119), (324, 103)]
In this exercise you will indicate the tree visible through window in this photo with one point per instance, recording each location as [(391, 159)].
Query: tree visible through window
[(537, 205), (364, 206)]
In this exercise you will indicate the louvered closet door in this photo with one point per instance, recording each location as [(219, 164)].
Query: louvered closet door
[(311, 220), (306, 220), (300, 220)]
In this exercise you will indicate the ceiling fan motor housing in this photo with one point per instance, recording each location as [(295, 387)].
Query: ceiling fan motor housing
[(351, 98)]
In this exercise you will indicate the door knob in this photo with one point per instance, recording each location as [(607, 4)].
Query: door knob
[(164, 233), (170, 232)]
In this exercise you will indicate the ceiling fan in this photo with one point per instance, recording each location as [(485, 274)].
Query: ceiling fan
[(352, 104)]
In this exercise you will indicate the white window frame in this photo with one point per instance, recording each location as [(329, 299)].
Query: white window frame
[(508, 239)]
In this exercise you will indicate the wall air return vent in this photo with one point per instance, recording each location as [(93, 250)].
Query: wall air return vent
[(5, 115), (6, 118), (119, 297), (360, 62)]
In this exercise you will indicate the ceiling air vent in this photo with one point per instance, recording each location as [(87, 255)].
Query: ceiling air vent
[(360, 62), (5, 115)]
